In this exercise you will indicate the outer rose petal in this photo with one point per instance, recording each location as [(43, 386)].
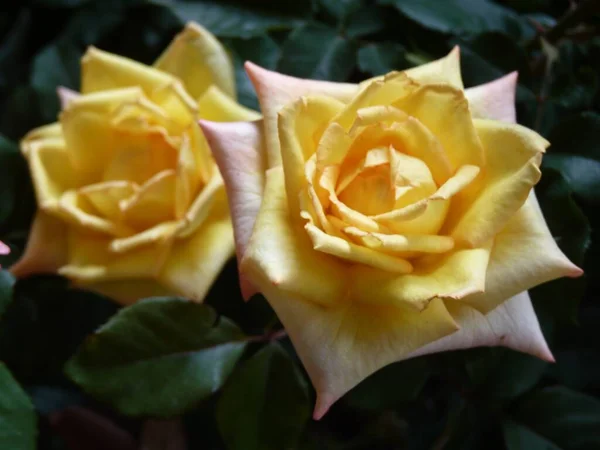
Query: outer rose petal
[(276, 90), (198, 59), (443, 70), (239, 151), (4, 249), (343, 344), (494, 100), (512, 324), (524, 255), (46, 249)]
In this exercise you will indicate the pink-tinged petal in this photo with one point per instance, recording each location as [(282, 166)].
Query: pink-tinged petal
[(512, 324), (46, 249), (494, 100), (66, 96), (275, 90), (238, 148), (4, 249)]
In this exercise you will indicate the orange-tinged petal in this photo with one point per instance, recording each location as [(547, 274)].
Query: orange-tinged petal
[(280, 252), (199, 60), (275, 90), (46, 248), (241, 155)]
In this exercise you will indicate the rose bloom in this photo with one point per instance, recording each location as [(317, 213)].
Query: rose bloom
[(131, 202), (389, 219)]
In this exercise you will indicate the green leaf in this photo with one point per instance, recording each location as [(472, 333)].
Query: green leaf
[(17, 417), (382, 390), (381, 58), (365, 21), (501, 374), (318, 52), (49, 321), (340, 9), (463, 16), (518, 437), (231, 19), (158, 357), (265, 403), (567, 418), (7, 282)]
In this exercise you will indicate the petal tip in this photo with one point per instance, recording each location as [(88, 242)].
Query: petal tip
[(323, 403)]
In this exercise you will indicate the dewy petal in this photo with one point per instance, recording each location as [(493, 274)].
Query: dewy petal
[(198, 59), (46, 250), (241, 156), (275, 90), (444, 110), (194, 263), (494, 100), (511, 324), (340, 345), (216, 106), (101, 71), (454, 275), (280, 252), (443, 70), (300, 125), (513, 155), (524, 255)]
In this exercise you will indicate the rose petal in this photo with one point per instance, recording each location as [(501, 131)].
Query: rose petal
[(443, 70), (513, 155), (199, 60), (239, 151), (524, 255), (66, 96), (215, 105), (194, 263), (494, 100), (511, 324), (46, 248), (280, 249), (340, 345), (275, 90)]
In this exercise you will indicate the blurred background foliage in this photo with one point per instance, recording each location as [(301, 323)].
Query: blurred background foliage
[(226, 379)]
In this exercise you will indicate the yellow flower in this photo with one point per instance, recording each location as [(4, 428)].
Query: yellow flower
[(131, 202), (389, 220)]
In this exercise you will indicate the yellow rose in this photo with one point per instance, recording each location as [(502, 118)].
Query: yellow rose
[(389, 220), (131, 202)]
